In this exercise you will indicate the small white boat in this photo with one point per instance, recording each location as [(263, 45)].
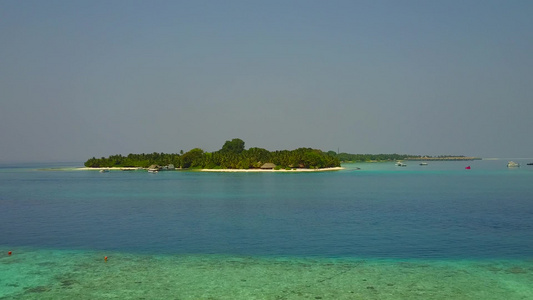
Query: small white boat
[(512, 164), (400, 164), (104, 170), (423, 163)]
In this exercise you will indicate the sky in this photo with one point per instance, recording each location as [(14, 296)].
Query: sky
[(95, 78)]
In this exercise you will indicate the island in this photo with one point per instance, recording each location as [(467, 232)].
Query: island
[(231, 157)]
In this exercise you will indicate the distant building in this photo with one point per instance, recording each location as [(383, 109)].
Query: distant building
[(268, 166), (154, 168)]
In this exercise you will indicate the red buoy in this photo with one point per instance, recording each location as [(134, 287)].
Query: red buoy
[(9, 253), (105, 258), (468, 168)]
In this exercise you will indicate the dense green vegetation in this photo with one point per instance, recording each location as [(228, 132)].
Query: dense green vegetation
[(233, 155), (134, 160)]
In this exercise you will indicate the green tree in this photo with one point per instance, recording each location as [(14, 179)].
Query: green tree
[(234, 146), (192, 158), (233, 156)]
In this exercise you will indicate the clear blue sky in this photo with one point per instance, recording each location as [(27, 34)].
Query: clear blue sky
[(94, 78)]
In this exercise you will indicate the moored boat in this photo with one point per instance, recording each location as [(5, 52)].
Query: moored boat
[(512, 164)]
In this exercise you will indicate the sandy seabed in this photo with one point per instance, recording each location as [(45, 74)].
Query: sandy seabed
[(60, 274)]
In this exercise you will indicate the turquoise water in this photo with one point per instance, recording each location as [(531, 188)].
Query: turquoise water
[(381, 232)]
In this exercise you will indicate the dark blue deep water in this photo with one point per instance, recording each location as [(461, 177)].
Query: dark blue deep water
[(381, 211)]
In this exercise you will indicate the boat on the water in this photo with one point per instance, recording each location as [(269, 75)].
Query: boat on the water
[(104, 170), (423, 163), (400, 164), (530, 164), (512, 164)]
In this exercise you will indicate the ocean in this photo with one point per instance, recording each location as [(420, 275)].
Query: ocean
[(370, 231)]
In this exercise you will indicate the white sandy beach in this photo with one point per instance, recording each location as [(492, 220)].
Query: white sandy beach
[(272, 170), (222, 170)]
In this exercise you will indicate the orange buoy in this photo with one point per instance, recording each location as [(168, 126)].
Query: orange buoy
[(9, 253), (105, 258)]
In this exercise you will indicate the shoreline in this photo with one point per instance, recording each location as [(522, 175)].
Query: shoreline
[(272, 170), (214, 170)]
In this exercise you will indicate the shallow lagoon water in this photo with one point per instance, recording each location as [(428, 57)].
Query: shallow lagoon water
[(64, 274), (382, 232)]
